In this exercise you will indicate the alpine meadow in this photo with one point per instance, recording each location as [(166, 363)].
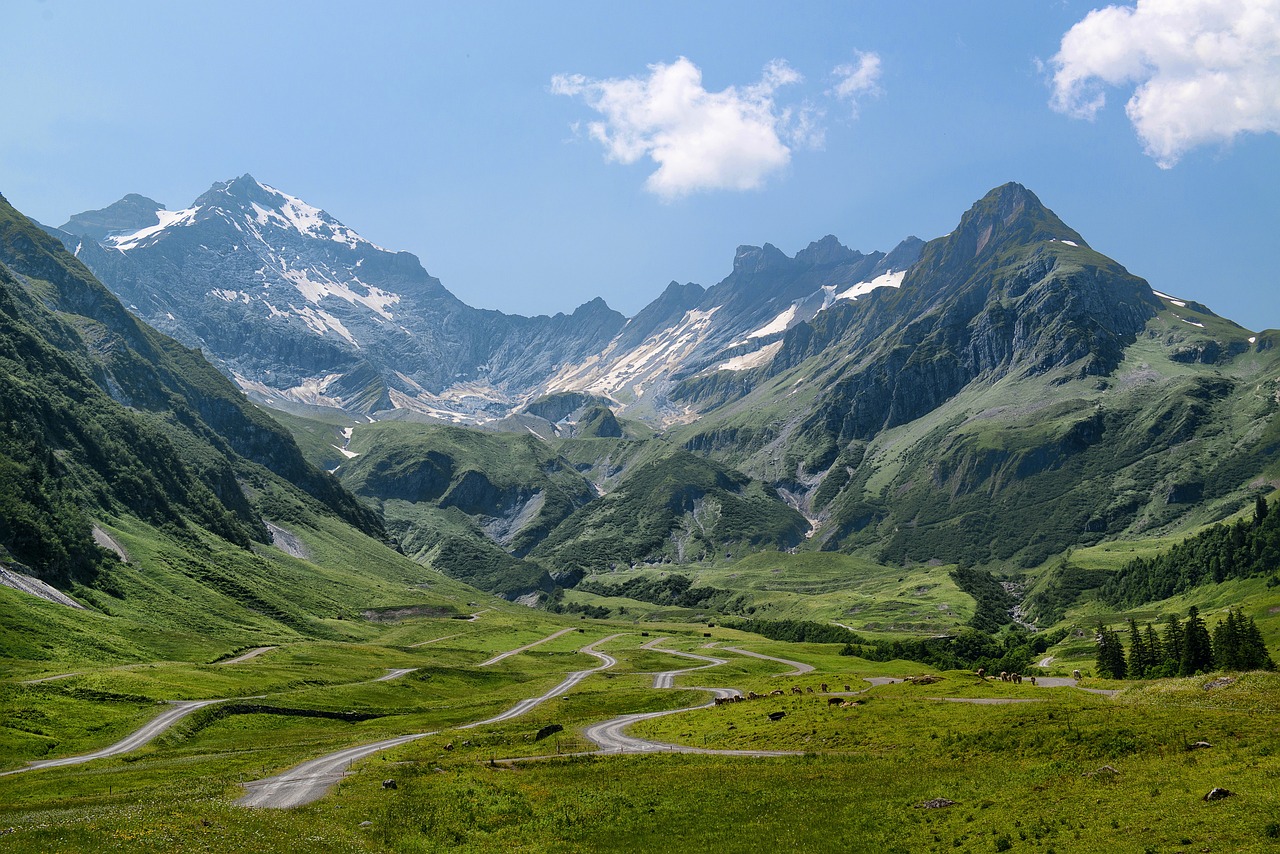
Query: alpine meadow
[(967, 543)]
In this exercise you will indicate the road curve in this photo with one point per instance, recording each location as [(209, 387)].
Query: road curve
[(311, 780), (800, 667), (500, 656), (180, 709), (572, 679), (667, 679)]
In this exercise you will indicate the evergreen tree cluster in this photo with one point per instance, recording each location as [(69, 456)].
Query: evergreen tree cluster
[(1184, 649), (1243, 549)]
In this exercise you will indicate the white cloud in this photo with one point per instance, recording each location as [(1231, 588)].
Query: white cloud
[(854, 81), (1207, 70), (727, 140)]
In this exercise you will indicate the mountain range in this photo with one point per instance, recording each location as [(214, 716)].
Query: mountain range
[(991, 397)]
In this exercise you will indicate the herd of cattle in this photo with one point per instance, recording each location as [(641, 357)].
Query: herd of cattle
[(981, 673)]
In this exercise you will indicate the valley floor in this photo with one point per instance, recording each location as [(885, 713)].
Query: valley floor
[(861, 767)]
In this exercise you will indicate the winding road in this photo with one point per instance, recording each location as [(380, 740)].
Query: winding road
[(800, 667), (667, 678), (310, 781), (133, 741)]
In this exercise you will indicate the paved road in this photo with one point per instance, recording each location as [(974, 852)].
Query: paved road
[(572, 679), (800, 667), (667, 679), (47, 678), (610, 736), (500, 656), (132, 742), (311, 780), (435, 640), (1045, 662), (253, 653), (395, 674)]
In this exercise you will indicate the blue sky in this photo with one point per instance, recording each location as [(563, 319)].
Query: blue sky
[(537, 155)]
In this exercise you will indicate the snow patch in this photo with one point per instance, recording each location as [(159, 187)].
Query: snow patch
[(746, 362), (1253, 339), (1192, 322), (168, 219), (1179, 303), (779, 324), (351, 455), (892, 279)]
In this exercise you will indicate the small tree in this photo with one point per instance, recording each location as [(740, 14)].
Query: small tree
[(1171, 645), (1197, 646), (1139, 660), (1110, 658)]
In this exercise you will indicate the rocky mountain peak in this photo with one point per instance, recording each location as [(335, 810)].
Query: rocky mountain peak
[(131, 213), (755, 259), (1009, 213), (828, 250)]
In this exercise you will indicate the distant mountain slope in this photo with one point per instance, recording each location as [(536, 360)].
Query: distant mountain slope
[(677, 508), (1017, 395), (513, 486), (103, 419), (298, 307)]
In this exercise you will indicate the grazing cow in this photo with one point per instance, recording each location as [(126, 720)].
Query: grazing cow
[(752, 695), (810, 689), (1033, 680), (1075, 674), (823, 687), (1004, 676), (834, 701), (795, 689), (777, 693), (1017, 679), (449, 746), (847, 688), (982, 673)]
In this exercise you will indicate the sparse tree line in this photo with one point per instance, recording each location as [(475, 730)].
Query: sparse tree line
[(1182, 648)]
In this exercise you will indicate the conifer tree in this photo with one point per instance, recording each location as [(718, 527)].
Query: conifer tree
[(1154, 650), (1110, 659), (1171, 644), (1197, 646), (1139, 660), (1226, 643), (1259, 510)]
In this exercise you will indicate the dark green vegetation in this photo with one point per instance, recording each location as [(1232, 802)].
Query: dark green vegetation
[(1183, 649)]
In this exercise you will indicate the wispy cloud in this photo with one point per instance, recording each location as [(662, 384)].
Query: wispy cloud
[(1206, 70), (728, 140), (854, 81)]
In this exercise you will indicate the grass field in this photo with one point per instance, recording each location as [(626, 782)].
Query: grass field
[(1024, 776)]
